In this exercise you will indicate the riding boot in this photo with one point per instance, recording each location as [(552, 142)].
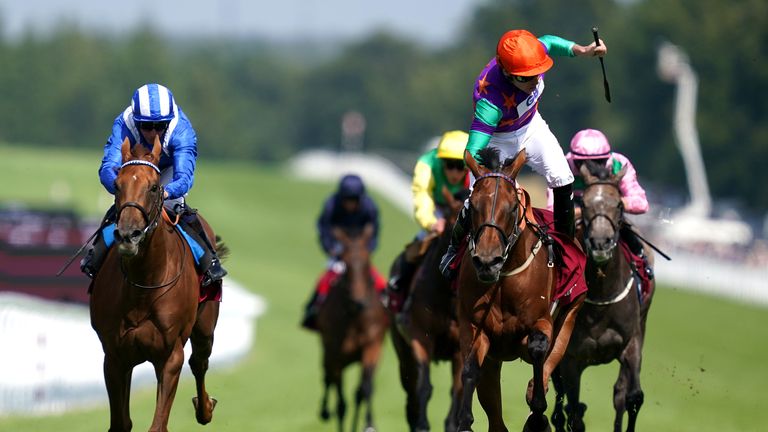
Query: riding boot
[(563, 210), (458, 233), (636, 247), (91, 262), (210, 264), (309, 321)]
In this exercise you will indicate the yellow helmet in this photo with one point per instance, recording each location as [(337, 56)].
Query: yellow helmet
[(452, 145)]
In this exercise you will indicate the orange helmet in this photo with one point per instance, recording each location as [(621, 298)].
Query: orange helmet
[(520, 53)]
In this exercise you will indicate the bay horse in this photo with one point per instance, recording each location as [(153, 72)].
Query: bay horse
[(352, 324), (144, 300), (426, 330), (505, 290), (611, 325)]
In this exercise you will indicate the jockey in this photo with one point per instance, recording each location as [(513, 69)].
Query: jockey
[(592, 144), (441, 167), (153, 112), (348, 208), (506, 96)]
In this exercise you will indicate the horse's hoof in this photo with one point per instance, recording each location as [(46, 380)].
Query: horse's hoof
[(203, 418), (325, 415), (369, 429), (537, 423)]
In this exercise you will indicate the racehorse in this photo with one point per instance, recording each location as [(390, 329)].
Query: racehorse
[(505, 290), (611, 325), (426, 330), (352, 323), (144, 301)]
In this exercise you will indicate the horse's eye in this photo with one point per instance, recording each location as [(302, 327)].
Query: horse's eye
[(154, 188)]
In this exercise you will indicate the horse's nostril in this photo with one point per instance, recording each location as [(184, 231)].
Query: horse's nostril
[(136, 234), (496, 261)]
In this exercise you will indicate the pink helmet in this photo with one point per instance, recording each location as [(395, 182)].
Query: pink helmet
[(590, 144)]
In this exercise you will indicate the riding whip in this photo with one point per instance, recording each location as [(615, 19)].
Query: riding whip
[(602, 66)]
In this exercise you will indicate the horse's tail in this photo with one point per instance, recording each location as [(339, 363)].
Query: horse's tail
[(222, 249)]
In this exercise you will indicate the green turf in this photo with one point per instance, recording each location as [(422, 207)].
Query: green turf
[(704, 364)]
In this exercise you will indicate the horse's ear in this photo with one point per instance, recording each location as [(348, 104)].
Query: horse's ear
[(620, 175), (126, 150), (156, 149), (368, 231), (339, 234), (447, 194), (517, 164), (477, 171), (586, 174)]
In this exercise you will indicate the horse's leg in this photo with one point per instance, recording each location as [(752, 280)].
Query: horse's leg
[(451, 421), (474, 352), (570, 373), (421, 352), (538, 345), (202, 345), (489, 394), (167, 374), (408, 376), (117, 377), (341, 403), (563, 328), (628, 395), (558, 413), (371, 355)]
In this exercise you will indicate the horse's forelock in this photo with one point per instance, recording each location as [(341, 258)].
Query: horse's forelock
[(490, 158)]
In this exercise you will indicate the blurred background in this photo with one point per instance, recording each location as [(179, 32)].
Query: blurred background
[(288, 96)]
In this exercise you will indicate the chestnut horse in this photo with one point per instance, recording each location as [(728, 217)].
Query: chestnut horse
[(144, 301), (426, 330), (611, 325), (352, 323), (505, 289)]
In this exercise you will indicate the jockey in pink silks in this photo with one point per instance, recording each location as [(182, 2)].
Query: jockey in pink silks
[(591, 144)]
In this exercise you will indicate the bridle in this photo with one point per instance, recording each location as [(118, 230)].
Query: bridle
[(615, 225), (150, 223), (508, 240)]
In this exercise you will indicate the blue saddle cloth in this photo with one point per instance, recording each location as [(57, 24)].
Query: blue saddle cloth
[(108, 232)]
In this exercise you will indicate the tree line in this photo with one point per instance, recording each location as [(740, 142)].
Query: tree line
[(259, 100)]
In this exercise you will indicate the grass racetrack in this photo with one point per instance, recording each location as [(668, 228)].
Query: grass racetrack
[(704, 365)]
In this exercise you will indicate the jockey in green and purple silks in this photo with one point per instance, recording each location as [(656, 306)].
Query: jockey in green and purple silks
[(506, 96)]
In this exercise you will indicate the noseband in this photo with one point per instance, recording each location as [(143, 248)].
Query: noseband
[(615, 225), (507, 240), (157, 203)]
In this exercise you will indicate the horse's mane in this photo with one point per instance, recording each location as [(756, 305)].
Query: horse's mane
[(490, 157)]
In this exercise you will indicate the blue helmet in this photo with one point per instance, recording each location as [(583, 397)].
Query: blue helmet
[(153, 103), (351, 186)]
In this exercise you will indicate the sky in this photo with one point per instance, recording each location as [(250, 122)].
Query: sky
[(433, 22)]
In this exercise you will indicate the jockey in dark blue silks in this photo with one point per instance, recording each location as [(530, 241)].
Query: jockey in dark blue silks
[(152, 113), (351, 209)]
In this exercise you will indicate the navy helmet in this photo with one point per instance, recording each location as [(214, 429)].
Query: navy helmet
[(153, 103), (351, 187)]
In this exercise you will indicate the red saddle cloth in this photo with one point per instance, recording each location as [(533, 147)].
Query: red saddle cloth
[(330, 277), (212, 292), (638, 268), (570, 261)]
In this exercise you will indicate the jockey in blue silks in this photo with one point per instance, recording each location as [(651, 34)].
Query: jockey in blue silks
[(153, 112)]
